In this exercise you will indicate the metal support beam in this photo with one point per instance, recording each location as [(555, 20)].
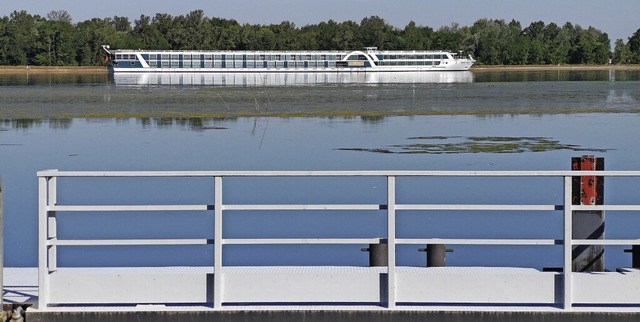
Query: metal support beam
[(589, 224)]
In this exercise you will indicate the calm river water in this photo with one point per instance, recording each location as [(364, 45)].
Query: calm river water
[(311, 122)]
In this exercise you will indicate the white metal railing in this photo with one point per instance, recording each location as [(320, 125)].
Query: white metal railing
[(49, 241)]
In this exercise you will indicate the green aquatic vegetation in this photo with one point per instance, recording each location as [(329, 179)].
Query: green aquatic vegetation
[(494, 138), (432, 137), (488, 144), (495, 148)]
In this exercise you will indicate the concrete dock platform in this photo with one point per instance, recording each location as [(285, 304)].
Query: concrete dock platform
[(21, 288)]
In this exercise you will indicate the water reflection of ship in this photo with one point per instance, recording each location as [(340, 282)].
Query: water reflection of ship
[(289, 79), (619, 98)]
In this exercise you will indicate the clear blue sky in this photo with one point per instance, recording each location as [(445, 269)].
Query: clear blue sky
[(618, 18)]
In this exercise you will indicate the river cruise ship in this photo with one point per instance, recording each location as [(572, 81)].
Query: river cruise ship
[(369, 59)]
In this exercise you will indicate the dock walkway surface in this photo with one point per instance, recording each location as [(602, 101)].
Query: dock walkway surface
[(21, 288)]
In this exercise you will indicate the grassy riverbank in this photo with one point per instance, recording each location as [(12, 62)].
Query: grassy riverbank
[(8, 70)]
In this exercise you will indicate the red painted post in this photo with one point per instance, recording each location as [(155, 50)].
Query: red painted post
[(588, 190)]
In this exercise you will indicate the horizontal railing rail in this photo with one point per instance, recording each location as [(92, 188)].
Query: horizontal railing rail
[(354, 173), (49, 206)]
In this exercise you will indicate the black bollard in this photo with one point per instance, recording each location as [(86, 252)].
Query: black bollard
[(378, 253), (635, 255), (436, 254)]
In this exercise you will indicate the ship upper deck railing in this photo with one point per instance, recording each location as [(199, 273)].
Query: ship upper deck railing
[(391, 286)]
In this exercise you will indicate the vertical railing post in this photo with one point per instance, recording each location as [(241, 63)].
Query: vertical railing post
[(52, 227), (567, 246), (43, 270), (1, 247), (217, 244), (391, 240)]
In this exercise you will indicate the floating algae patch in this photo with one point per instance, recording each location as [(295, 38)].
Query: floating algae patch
[(489, 144), (432, 137)]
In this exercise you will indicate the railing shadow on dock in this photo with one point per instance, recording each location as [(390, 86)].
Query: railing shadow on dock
[(390, 286)]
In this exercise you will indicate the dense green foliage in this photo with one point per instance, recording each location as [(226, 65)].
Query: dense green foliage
[(27, 39)]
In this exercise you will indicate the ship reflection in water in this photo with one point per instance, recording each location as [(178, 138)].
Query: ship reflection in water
[(290, 79)]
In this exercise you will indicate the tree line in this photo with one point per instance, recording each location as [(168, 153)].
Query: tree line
[(55, 40)]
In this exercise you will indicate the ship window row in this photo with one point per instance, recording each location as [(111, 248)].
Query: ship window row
[(241, 64), (241, 57), (413, 56), (409, 63), (125, 57)]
